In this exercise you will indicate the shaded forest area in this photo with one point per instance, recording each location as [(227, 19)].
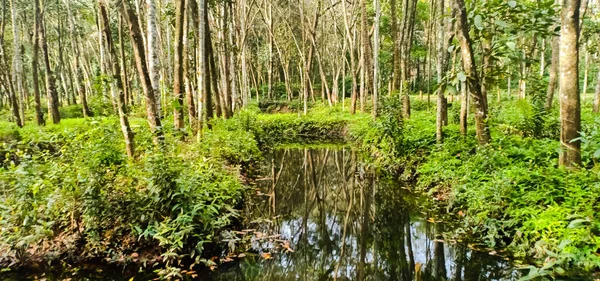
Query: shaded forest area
[(130, 129)]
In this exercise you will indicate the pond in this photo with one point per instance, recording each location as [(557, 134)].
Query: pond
[(331, 218), (322, 214)]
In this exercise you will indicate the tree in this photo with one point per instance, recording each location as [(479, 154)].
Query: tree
[(376, 57), (116, 77), (470, 69), (570, 104), (153, 55), (51, 94), (135, 34), (178, 82), (39, 115)]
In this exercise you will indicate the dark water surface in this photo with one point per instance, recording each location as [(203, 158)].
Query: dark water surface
[(321, 214), (343, 223)]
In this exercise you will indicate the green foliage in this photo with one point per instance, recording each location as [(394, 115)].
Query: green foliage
[(82, 198)]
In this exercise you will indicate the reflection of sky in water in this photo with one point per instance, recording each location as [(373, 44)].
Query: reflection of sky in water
[(318, 248)]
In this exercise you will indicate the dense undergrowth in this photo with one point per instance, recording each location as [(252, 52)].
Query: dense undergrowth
[(70, 194), (68, 190), (511, 194)]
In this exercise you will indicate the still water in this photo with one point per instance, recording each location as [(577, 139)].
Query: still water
[(338, 221), (321, 214)]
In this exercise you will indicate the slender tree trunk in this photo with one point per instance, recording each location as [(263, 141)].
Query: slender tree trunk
[(178, 75), (597, 95), (367, 57), (126, 90), (153, 54), (213, 78), (189, 94), (233, 67), (570, 107), (554, 66), (271, 44), (52, 95), (17, 65), (396, 47), (206, 54), (118, 83), (39, 114), (77, 68), (470, 68), (136, 36), (586, 70), (376, 57), (442, 54), (464, 108)]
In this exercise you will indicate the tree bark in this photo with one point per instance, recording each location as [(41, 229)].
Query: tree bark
[(367, 60), (52, 95), (395, 46), (136, 36), (153, 54), (118, 83), (376, 58), (189, 94), (554, 66), (570, 107), (464, 108), (178, 75), (39, 114), (470, 68), (597, 95), (17, 73)]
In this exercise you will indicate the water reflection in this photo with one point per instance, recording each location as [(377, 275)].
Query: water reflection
[(343, 223)]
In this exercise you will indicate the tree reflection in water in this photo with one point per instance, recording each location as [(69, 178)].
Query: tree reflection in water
[(344, 223)]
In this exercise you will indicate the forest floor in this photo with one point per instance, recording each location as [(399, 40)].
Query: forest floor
[(69, 192)]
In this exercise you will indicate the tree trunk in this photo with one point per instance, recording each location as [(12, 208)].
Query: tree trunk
[(570, 108), (376, 58), (205, 47), (470, 68), (232, 56), (39, 114), (76, 64), (367, 57), (153, 55), (17, 72), (396, 47), (118, 83), (554, 66), (464, 108), (597, 95), (178, 62), (189, 94), (441, 68), (136, 36), (51, 93), (126, 90)]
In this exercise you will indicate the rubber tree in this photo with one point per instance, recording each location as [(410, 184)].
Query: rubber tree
[(470, 69), (116, 78), (570, 104), (136, 37), (51, 93), (178, 86)]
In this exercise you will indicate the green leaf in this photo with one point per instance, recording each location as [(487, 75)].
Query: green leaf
[(479, 22), (451, 90), (501, 23), (511, 45), (578, 224), (512, 4)]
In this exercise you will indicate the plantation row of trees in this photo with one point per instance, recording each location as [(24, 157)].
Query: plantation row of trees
[(198, 59)]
